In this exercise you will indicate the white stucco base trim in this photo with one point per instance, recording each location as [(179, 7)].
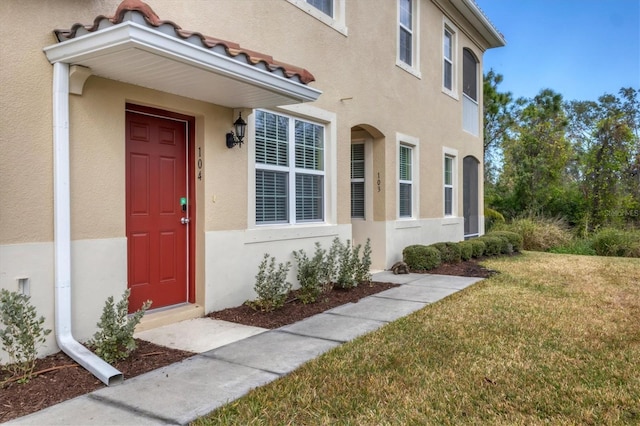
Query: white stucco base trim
[(403, 233), (99, 270), (233, 257)]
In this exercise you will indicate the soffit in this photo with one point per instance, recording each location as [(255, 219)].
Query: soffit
[(472, 12), (136, 47)]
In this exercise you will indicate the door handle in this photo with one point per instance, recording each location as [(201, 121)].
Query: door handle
[(184, 220)]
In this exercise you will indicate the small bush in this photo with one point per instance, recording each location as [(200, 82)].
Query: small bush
[(466, 250), (363, 266), (22, 333), (421, 258), (347, 263), (449, 252), (309, 274), (616, 242), (513, 238), (493, 245), (478, 247), (114, 339), (271, 285)]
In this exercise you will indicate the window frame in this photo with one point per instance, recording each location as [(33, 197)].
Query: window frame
[(450, 155), (413, 143), (292, 171), (448, 27), (336, 22), (413, 67)]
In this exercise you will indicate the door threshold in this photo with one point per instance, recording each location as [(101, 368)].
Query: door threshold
[(169, 315)]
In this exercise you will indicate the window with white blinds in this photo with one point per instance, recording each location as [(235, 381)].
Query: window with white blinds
[(406, 181), (289, 169), (357, 181)]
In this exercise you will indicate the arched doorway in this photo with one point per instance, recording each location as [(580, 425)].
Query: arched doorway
[(470, 196)]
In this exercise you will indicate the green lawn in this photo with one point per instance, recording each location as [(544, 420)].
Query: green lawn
[(553, 339)]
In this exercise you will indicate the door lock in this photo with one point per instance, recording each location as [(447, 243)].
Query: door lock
[(184, 220)]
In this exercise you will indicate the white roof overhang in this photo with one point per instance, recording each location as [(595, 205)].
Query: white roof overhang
[(137, 54), (479, 20)]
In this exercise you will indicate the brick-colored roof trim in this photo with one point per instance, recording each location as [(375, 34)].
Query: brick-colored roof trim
[(232, 49)]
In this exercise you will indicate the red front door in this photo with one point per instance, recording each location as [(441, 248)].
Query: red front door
[(156, 185)]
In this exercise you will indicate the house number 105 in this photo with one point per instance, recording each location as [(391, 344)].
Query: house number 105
[(199, 163)]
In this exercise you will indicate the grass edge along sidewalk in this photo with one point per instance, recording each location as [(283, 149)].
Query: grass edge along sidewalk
[(553, 338)]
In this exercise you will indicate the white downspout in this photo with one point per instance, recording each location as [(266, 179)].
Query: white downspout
[(62, 234)]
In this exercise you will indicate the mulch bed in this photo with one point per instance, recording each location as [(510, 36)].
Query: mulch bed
[(63, 379)]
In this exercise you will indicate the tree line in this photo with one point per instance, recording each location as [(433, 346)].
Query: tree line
[(579, 160)]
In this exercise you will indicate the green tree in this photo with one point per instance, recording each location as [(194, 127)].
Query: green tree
[(536, 154), (498, 119)]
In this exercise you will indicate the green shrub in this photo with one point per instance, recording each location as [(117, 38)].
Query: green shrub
[(478, 247), (492, 218), (449, 252), (271, 285), (513, 238), (114, 339), (22, 333), (538, 233), (363, 266), (466, 250), (347, 263), (493, 245), (581, 246), (616, 242), (421, 258), (309, 274)]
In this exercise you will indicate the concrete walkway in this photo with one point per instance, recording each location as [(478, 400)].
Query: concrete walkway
[(184, 391)]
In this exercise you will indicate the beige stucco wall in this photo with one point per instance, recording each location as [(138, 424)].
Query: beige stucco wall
[(361, 85)]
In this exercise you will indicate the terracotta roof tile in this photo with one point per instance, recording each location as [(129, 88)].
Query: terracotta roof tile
[(231, 49)]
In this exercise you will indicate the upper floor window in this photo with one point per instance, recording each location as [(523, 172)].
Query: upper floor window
[(325, 6), (357, 181), (289, 169), (447, 54), (405, 41), (469, 75), (470, 108), (329, 12), (406, 181), (408, 25)]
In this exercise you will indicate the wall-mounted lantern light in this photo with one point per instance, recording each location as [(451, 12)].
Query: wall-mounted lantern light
[(234, 139)]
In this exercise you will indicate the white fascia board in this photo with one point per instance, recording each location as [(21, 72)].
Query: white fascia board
[(130, 35)]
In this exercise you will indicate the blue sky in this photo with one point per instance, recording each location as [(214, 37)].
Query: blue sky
[(579, 48)]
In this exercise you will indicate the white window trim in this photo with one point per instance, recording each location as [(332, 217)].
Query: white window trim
[(448, 26), (453, 154), (414, 68), (337, 22), (414, 143), (302, 112)]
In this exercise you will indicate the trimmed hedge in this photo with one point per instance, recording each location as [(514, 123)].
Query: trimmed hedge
[(449, 252), (421, 258), (478, 247), (493, 245), (466, 249), (513, 238)]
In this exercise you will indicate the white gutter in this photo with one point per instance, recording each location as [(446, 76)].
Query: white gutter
[(62, 235)]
